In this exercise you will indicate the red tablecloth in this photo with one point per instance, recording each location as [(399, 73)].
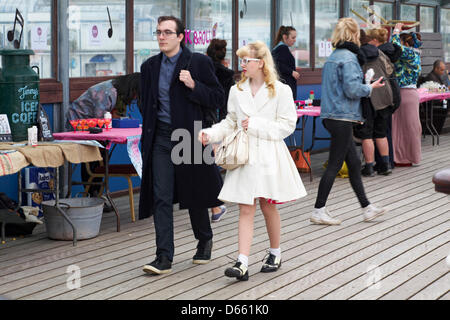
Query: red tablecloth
[(425, 96), (114, 135)]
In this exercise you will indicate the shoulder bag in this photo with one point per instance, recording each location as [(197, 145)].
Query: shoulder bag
[(233, 151)]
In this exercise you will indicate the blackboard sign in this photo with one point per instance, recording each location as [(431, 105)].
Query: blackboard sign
[(5, 130), (45, 133)]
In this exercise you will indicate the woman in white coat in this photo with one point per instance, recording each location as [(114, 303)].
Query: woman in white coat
[(264, 107)]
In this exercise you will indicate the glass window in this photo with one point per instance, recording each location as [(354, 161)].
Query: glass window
[(254, 22), (445, 31), (296, 13), (146, 13), (426, 19), (92, 51), (408, 13), (36, 35), (385, 10), (207, 20), (327, 15), (357, 6)]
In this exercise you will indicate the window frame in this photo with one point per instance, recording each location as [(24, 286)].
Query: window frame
[(51, 88)]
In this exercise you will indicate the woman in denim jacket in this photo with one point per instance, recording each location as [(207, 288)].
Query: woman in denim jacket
[(342, 89)]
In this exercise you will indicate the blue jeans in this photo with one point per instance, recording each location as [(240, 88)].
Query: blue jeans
[(163, 172)]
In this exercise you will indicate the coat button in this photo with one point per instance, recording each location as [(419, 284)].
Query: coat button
[(154, 106), (149, 130)]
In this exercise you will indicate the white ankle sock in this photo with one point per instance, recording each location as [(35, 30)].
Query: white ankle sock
[(275, 252), (243, 259)]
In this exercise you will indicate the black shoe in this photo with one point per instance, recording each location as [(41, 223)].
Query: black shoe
[(272, 264), (367, 171), (238, 271), (203, 254), (385, 169), (161, 265)]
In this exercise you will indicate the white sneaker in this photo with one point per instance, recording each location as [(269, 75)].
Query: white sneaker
[(371, 212), (322, 216)]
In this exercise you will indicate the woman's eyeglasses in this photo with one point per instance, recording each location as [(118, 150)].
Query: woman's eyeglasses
[(247, 60), (165, 33)]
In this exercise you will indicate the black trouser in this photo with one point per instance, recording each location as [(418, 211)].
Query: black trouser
[(342, 147), (163, 173)]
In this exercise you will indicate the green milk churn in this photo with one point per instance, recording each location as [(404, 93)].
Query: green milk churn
[(19, 92)]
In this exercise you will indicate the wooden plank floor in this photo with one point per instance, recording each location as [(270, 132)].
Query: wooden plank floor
[(401, 255)]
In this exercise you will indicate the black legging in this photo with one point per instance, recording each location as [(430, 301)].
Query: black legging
[(342, 147)]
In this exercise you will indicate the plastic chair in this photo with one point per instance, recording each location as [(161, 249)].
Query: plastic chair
[(115, 170)]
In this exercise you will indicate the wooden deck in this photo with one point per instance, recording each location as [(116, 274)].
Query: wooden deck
[(399, 256)]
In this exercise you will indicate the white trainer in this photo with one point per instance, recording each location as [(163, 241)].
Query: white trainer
[(322, 216), (371, 212)]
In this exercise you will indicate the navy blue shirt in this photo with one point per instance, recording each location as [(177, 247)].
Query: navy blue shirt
[(165, 78)]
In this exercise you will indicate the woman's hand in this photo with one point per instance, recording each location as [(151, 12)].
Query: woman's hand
[(296, 75), (203, 138), (398, 28), (378, 84), (245, 124)]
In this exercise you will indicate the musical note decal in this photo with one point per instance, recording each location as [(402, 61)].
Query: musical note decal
[(110, 30), (11, 33)]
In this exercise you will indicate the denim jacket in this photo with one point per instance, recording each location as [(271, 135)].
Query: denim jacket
[(342, 87)]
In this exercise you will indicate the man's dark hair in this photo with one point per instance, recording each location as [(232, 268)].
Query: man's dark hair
[(217, 49), (180, 26), (437, 64), (128, 87)]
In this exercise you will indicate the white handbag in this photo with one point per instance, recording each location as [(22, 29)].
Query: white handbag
[(233, 151)]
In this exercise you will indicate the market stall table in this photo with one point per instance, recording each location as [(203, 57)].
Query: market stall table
[(14, 157), (426, 99), (313, 111), (111, 136)]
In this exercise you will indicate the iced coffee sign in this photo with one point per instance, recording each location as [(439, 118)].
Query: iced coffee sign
[(200, 37), (29, 102)]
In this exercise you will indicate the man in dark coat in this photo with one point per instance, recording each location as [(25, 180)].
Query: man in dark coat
[(437, 74), (177, 86)]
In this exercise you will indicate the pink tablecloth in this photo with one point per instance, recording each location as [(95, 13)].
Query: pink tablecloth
[(424, 96), (310, 111), (114, 135)]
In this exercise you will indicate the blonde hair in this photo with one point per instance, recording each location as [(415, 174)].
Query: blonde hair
[(259, 50), (381, 35), (347, 29)]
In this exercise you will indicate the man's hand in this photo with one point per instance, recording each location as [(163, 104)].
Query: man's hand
[(185, 77), (203, 138)]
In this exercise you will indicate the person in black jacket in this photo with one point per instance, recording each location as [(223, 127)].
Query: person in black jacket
[(379, 38), (217, 51), (284, 60)]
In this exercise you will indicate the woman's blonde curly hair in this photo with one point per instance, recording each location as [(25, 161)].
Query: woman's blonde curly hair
[(259, 50)]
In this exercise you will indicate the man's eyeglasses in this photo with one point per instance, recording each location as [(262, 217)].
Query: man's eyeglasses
[(247, 60), (165, 33)]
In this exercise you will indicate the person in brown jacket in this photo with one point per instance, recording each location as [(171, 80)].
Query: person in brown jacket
[(376, 107)]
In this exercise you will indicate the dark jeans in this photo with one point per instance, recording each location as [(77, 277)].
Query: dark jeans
[(163, 193), (342, 147)]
